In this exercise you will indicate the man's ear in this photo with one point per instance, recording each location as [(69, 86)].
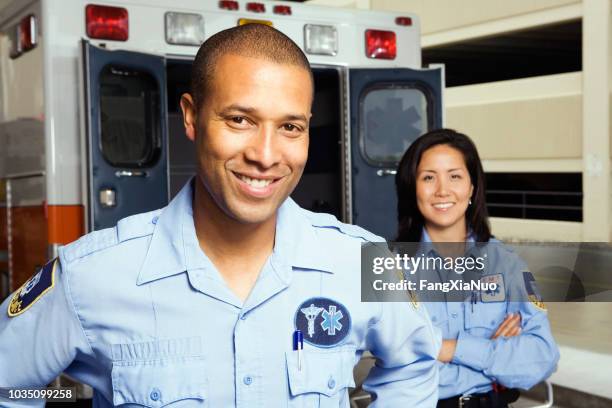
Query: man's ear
[(189, 116)]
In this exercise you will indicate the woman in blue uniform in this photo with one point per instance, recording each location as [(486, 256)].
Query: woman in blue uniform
[(490, 344)]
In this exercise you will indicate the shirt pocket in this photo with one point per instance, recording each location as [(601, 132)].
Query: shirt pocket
[(159, 374), (483, 318), (323, 378)]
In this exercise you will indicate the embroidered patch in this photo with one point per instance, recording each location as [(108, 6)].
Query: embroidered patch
[(324, 322), (533, 294), (31, 291), (414, 299), (498, 294)]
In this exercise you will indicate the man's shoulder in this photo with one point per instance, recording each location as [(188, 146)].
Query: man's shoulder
[(328, 223), (127, 229)]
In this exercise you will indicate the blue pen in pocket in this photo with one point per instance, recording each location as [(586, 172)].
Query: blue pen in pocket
[(298, 345)]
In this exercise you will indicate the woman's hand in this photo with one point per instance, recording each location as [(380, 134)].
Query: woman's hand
[(510, 327), (447, 351)]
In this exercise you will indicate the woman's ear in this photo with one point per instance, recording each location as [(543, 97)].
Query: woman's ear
[(189, 116)]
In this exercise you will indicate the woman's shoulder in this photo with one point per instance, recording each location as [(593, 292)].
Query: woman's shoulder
[(503, 254)]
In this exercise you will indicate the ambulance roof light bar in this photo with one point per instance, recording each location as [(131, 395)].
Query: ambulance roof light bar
[(184, 28), (256, 7), (106, 22), (228, 5), (403, 21), (320, 39), (282, 10), (380, 44)]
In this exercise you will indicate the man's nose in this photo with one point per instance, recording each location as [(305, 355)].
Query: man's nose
[(264, 148)]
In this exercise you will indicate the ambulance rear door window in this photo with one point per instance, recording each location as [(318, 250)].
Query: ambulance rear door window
[(391, 119), (129, 117)]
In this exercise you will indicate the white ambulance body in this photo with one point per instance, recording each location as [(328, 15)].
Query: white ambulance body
[(91, 131)]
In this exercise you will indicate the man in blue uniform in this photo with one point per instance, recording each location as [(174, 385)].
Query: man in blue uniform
[(197, 304)]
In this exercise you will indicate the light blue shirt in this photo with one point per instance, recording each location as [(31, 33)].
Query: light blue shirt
[(142, 315), (516, 362)]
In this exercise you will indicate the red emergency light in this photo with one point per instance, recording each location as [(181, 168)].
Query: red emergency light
[(27, 33), (282, 10), (403, 21), (228, 5), (106, 22), (380, 44), (256, 7)]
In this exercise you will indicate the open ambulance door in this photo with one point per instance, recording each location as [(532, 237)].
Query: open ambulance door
[(125, 113), (390, 108)]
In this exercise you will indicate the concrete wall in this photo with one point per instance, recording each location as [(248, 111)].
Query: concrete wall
[(531, 118)]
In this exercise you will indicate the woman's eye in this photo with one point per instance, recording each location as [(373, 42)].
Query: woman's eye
[(456, 176), (427, 178)]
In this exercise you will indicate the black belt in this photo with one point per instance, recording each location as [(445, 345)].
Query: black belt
[(492, 399)]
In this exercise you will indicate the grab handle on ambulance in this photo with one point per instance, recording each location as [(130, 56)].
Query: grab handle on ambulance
[(386, 172), (130, 173)]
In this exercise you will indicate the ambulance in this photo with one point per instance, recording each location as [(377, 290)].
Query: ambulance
[(91, 128)]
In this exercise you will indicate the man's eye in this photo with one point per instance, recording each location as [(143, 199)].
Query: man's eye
[(238, 120), (290, 127)]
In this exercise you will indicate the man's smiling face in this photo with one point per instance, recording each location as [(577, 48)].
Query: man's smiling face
[(251, 135)]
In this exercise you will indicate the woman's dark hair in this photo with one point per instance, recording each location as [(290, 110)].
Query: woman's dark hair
[(410, 219)]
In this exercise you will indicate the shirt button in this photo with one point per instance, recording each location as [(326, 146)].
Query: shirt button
[(248, 380), (454, 315), (155, 394), (331, 383), (154, 220)]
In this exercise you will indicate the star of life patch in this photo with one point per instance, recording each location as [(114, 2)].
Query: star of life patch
[(533, 294), (324, 322), (33, 289), (496, 288)]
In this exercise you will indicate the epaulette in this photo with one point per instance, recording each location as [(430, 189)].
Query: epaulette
[(93, 242), (321, 220), (134, 226)]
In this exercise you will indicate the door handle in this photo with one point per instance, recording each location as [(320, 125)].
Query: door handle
[(386, 172), (130, 173)]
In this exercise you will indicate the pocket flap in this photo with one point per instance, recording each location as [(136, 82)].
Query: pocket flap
[(159, 375), (322, 371), (485, 315)]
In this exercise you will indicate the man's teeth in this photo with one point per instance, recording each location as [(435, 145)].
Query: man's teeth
[(443, 205), (257, 183)]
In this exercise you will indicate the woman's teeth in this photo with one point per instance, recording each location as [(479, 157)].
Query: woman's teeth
[(257, 183), (443, 206)]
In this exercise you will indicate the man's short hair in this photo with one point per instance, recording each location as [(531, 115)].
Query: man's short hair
[(249, 40)]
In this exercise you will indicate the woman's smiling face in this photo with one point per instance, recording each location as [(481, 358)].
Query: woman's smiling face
[(443, 188)]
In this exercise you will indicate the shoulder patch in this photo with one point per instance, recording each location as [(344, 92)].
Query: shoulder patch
[(34, 289), (414, 299), (533, 294), (324, 322)]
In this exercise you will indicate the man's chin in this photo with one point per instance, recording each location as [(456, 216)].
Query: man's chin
[(253, 214)]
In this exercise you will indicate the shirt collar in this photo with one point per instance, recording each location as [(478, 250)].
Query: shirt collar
[(470, 248), (174, 246)]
